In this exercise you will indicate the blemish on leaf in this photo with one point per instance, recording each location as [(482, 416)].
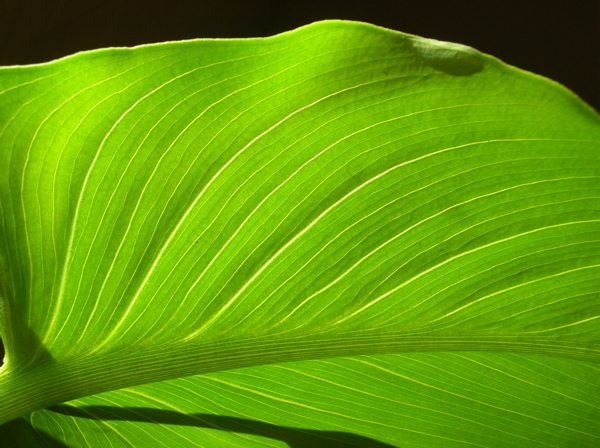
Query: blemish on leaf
[(451, 58)]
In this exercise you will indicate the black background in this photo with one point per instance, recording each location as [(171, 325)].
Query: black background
[(559, 39)]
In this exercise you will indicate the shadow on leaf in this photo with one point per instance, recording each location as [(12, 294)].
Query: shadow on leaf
[(294, 437), (32, 351), (19, 433)]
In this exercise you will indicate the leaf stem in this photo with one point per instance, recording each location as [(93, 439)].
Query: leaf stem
[(25, 390)]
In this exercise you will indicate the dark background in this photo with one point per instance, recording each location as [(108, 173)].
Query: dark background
[(559, 39)]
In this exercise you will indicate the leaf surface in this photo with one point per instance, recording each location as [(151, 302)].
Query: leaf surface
[(396, 216)]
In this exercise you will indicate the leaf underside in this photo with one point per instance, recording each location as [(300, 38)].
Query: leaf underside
[(337, 236)]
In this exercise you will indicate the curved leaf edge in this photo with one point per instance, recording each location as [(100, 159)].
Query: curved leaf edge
[(23, 385)]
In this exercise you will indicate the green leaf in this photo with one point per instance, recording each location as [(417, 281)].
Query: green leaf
[(337, 236)]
